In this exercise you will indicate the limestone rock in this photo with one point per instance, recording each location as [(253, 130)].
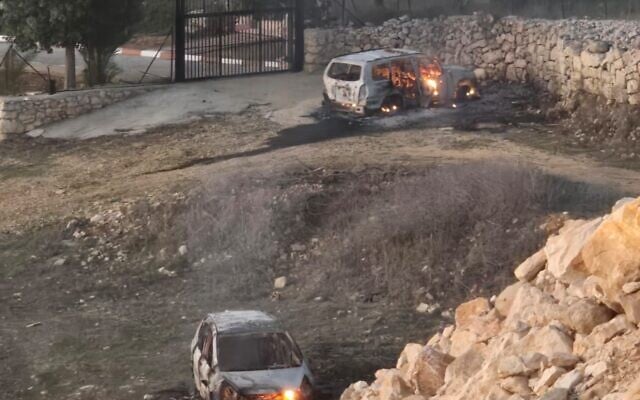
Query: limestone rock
[(280, 283), (468, 311), (531, 306), (392, 386), (536, 361), (631, 305), (409, 355), (564, 360), (430, 370), (564, 250), (584, 315), (631, 287), (556, 394), (548, 378), (634, 391), (528, 270), (602, 334), (465, 366), (511, 366), (547, 341), (517, 385), (612, 253), (505, 299), (596, 370), (569, 380)]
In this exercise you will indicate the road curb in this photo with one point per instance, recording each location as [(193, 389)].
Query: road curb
[(162, 55)]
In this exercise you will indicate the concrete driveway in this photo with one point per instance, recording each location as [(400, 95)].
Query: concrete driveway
[(284, 97)]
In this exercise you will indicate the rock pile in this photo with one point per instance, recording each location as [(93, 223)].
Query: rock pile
[(565, 57), (567, 329)]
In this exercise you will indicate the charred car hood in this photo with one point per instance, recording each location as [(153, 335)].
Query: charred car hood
[(263, 382)]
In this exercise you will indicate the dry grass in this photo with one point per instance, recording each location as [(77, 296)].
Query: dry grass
[(441, 234)]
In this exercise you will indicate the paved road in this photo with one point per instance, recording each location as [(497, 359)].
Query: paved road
[(132, 67)]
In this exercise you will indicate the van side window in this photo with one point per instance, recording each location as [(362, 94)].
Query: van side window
[(345, 72), (381, 72)]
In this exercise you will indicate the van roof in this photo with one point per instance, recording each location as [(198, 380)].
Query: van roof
[(374, 55), (239, 322)]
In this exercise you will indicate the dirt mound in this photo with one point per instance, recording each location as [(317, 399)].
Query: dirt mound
[(567, 329)]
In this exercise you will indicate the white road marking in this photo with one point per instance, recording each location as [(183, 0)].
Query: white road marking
[(233, 61)]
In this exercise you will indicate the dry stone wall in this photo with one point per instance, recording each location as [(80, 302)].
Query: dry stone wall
[(567, 57), (25, 113)]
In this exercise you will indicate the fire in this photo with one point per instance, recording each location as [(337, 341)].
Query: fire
[(289, 395)]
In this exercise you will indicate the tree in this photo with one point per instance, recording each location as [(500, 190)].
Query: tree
[(109, 24), (45, 24)]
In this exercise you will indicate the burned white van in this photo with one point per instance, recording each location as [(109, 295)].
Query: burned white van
[(389, 80)]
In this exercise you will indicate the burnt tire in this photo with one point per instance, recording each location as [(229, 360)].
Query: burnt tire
[(462, 94)]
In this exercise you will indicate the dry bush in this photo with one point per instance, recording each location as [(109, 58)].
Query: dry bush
[(441, 234)]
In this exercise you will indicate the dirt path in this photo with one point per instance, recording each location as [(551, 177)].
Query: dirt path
[(104, 323)]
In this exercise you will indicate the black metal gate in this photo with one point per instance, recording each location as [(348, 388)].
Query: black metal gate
[(217, 38)]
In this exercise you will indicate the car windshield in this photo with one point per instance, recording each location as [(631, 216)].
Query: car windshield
[(255, 352), (345, 72)]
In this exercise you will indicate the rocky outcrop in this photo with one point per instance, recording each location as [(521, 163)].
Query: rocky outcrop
[(567, 330), (566, 57)]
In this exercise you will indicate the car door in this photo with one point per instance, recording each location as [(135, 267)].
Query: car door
[(201, 365)]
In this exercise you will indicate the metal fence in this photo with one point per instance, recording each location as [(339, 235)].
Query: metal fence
[(223, 38)]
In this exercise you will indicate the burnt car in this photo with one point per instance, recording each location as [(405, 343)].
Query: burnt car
[(248, 355), (389, 80)]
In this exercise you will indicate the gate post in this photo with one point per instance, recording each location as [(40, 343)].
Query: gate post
[(179, 51), (298, 62)]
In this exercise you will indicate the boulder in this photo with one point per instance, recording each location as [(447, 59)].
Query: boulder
[(548, 377), (429, 371), (596, 370), (556, 394), (631, 287), (511, 366), (516, 385), (584, 315), (486, 326), (461, 341), (466, 312), (391, 385), (631, 305), (465, 366), (564, 360), (531, 306), (569, 380), (528, 270), (634, 391), (612, 253), (536, 361), (547, 341), (505, 299), (564, 250), (602, 334), (409, 356), (354, 391)]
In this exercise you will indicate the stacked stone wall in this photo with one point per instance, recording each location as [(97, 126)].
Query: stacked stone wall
[(25, 113), (566, 57)]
